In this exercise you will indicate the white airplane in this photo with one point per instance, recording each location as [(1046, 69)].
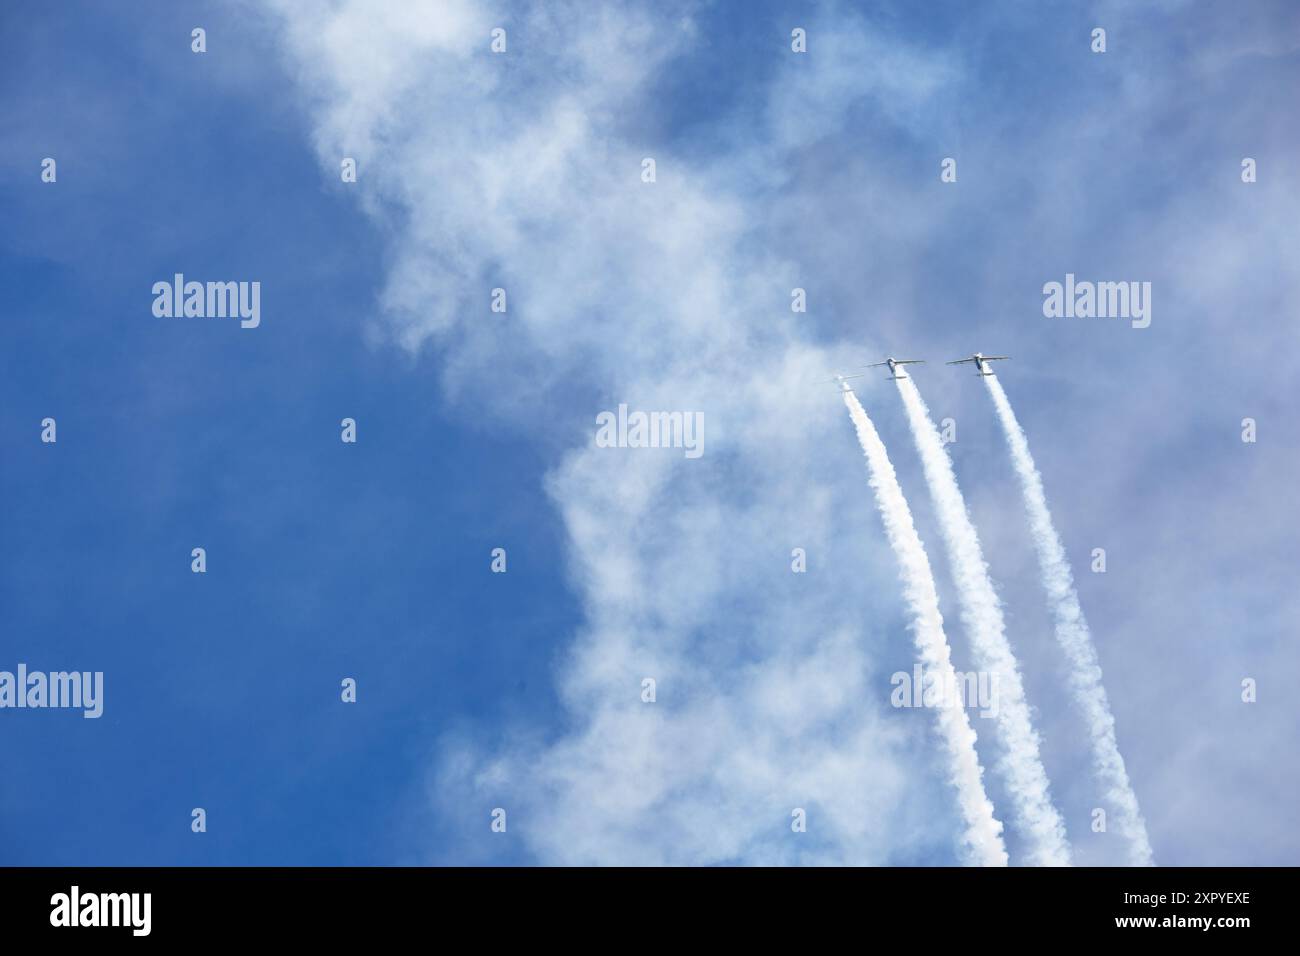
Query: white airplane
[(841, 379), (981, 362), (893, 366)]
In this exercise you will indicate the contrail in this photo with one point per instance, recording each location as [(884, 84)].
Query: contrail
[(982, 839), (981, 614), (1073, 636)]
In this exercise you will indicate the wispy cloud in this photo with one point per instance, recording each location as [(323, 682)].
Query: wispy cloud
[(522, 171)]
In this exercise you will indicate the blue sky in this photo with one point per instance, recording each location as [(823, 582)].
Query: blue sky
[(520, 690)]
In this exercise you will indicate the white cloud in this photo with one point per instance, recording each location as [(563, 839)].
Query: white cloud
[(523, 171)]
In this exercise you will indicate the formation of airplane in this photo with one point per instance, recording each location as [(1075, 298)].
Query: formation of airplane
[(979, 358)]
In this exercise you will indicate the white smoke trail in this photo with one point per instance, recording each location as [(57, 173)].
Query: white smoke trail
[(1073, 636), (981, 614), (982, 840)]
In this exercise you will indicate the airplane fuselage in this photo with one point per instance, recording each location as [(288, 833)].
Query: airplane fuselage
[(894, 365)]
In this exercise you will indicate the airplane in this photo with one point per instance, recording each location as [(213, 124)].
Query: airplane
[(981, 366), (841, 379), (893, 366)]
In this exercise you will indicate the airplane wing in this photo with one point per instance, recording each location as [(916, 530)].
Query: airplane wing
[(910, 362), (961, 361), (877, 365), (837, 378), (995, 358)]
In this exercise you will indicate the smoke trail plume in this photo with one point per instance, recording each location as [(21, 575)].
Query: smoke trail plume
[(982, 839), (1073, 636), (982, 616)]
